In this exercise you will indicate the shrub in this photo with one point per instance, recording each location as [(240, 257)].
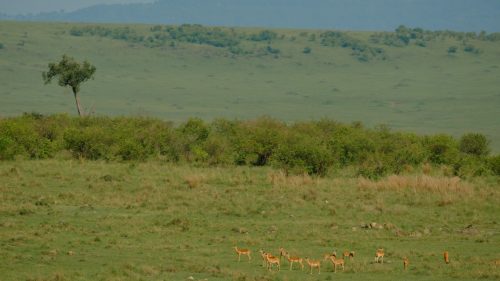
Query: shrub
[(91, 143), (470, 166), (7, 148), (471, 49), (474, 144), (264, 35), (374, 167), (257, 141), (300, 154), (306, 50), (494, 164), (442, 149), (20, 137)]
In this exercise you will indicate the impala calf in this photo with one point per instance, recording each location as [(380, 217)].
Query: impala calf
[(314, 263), (240, 252)]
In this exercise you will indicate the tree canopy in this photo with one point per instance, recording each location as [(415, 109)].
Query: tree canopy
[(70, 73)]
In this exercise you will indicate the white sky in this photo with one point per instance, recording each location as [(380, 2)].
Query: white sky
[(14, 7)]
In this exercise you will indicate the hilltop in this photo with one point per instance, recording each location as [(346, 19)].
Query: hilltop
[(462, 15)]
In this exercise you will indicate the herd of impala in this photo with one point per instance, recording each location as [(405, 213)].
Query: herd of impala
[(270, 261)]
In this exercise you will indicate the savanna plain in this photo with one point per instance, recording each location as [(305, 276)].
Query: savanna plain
[(64, 216)]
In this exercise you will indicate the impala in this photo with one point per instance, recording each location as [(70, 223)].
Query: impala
[(314, 263), (263, 255), (379, 255), (272, 260), (328, 256), (446, 257), (283, 253), (406, 262), (348, 254), (242, 252), (337, 262), (291, 260)]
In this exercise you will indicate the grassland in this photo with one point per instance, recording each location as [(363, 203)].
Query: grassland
[(64, 219), (425, 90)]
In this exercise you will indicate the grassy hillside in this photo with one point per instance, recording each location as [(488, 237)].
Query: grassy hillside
[(419, 89), (79, 220)]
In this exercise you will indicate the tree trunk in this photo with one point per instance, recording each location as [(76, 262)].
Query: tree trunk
[(77, 99)]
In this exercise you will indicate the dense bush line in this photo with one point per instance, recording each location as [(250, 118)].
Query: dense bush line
[(163, 35), (233, 40), (313, 147)]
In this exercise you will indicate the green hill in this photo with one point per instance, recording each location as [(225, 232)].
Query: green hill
[(410, 83)]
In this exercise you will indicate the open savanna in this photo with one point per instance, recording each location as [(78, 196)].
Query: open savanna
[(421, 89), (65, 219)]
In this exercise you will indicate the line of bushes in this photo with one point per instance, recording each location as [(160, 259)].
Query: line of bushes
[(161, 35), (313, 147), (404, 36), (362, 51)]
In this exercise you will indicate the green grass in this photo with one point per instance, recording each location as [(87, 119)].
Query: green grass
[(417, 89), (154, 221)]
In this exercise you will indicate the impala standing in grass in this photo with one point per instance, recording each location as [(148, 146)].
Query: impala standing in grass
[(245, 252)]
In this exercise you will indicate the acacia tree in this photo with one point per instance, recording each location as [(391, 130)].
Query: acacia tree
[(70, 73)]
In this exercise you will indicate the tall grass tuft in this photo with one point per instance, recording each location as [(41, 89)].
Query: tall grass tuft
[(419, 183)]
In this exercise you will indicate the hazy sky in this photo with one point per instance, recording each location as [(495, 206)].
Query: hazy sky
[(14, 7)]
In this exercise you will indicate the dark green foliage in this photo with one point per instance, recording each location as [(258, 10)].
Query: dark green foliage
[(452, 49), (469, 48), (119, 33), (70, 73), (443, 149), (405, 36), (301, 153), (307, 50), (494, 164), (265, 35), (22, 137), (313, 147), (272, 50), (2, 46), (474, 144), (470, 166), (362, 51)]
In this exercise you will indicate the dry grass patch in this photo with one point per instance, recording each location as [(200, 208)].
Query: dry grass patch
[(419, 183), (280, 179), (194, 181)]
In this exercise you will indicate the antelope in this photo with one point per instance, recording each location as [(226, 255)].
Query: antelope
[(328, 256), (243, 252), (291, 260), (263, 255), (283, 253), (406, 262), (314, 263), (446, 257), (348, 254), (272, 260), (379, 255), (336, 262)]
